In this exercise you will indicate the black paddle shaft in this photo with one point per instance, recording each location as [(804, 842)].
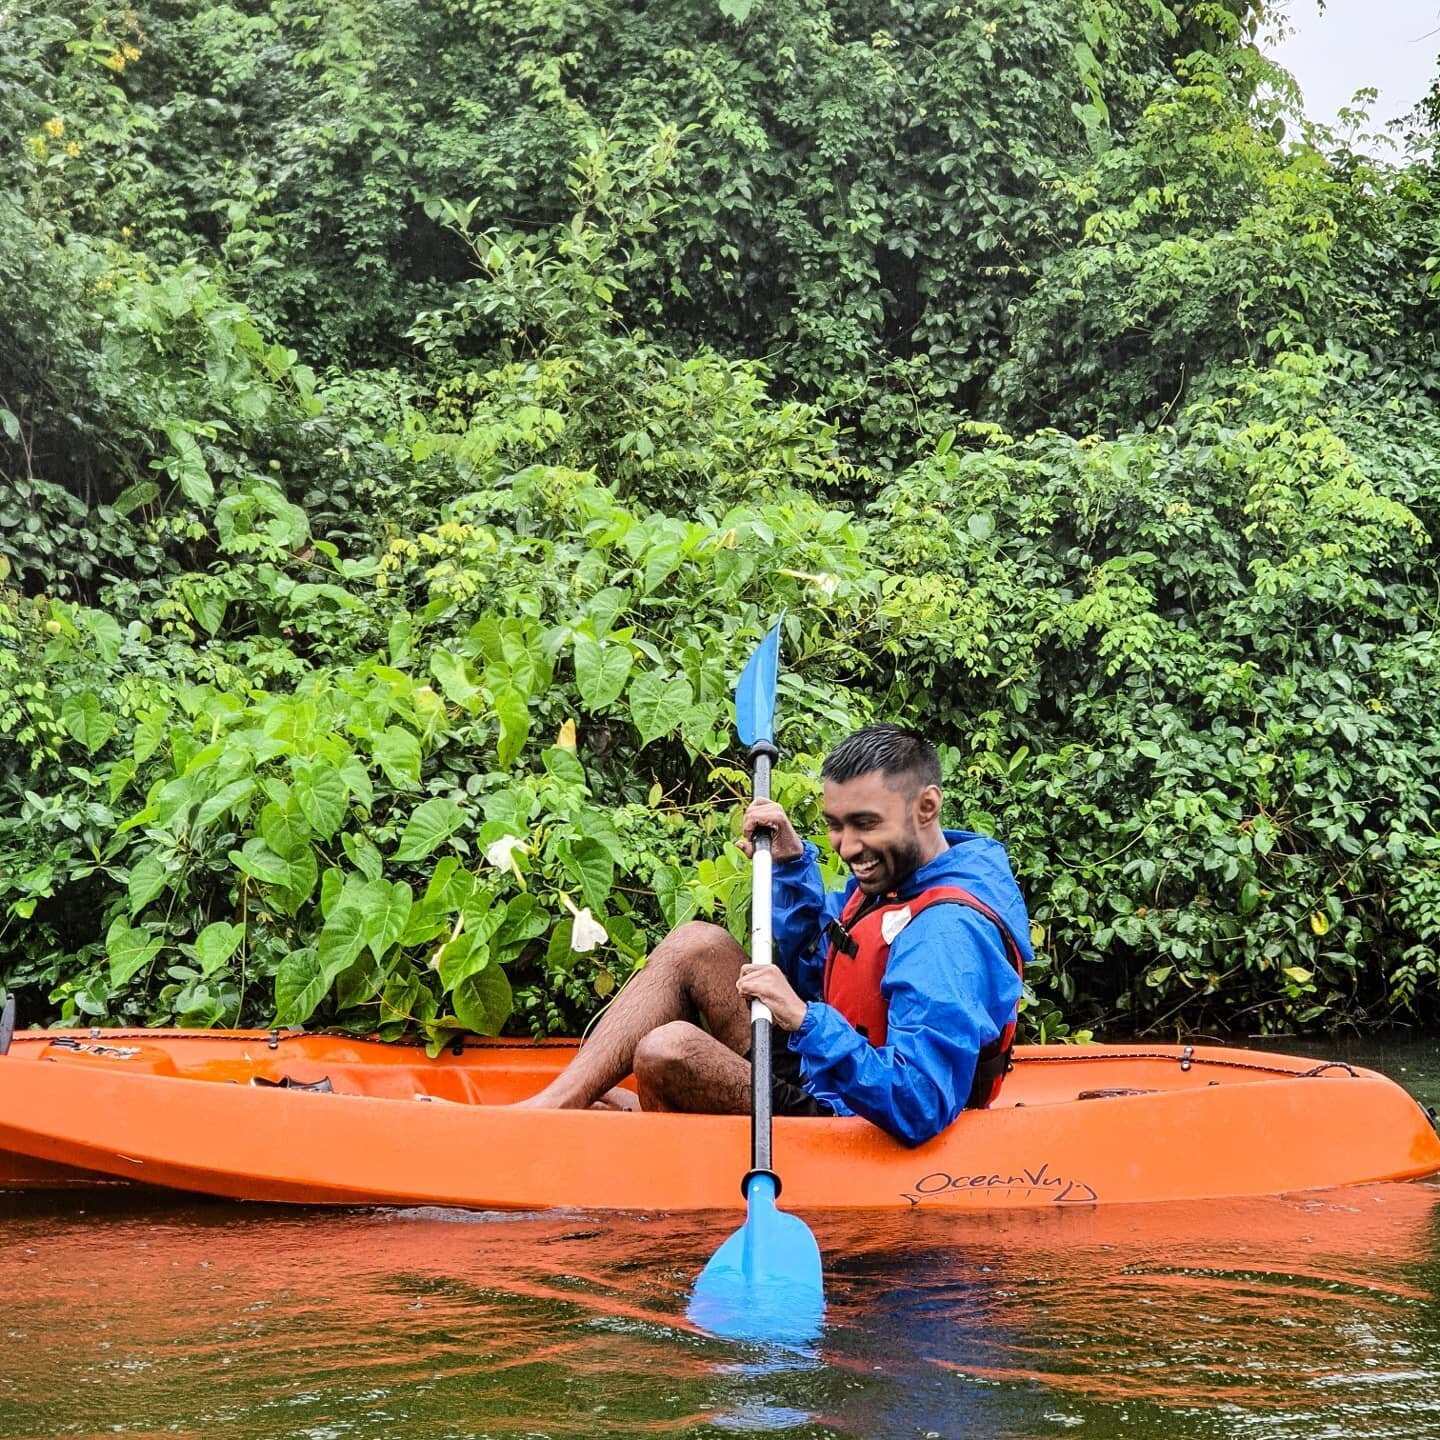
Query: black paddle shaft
[(761, 1111)]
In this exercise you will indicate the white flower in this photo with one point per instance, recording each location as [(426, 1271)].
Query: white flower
[(586, 932), (825, 582), (501, 855)]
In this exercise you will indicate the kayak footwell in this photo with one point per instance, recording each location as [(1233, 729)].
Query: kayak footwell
[(318, 1119)]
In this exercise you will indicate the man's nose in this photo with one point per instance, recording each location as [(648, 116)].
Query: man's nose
[(850, 845)]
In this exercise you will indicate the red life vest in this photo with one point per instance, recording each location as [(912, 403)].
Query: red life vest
[(859, 953)]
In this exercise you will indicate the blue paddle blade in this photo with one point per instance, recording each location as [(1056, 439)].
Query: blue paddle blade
[(764, 1283), (755, 692)]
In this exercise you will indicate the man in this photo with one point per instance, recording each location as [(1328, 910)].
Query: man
[(898, 994)]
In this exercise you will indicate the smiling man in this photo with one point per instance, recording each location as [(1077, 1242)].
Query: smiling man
[(899, 992)]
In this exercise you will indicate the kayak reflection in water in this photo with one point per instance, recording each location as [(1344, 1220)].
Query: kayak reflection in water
[(898, 993)]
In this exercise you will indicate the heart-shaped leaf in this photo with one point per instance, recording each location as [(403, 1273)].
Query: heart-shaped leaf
[(601, 672), (386, 908), (284, 829), (397, 752), (592, 868), (87, 720), (300, 985), (227, 798), (300, 882), (658, 706), (147, 880), (430, 825), (483, 1001), (341, 941), (514, 716), (216, 943), (461, 957), (525, 920), (260, 862), (321, 795), (130, 950), (677, 902)]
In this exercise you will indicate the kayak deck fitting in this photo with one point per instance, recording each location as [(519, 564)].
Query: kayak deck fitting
[(323, 1119)]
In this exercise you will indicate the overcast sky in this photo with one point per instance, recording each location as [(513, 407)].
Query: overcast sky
[(1391, 45)]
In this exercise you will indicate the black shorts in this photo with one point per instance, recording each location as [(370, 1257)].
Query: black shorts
[(787, 1095)]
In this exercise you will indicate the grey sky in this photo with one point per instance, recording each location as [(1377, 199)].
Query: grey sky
[(1391, 45)]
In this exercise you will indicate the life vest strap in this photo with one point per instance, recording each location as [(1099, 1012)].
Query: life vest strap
[(841, 939), (992, 1066)]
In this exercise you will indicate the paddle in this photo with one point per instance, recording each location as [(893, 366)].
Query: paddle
[(764, 1282)]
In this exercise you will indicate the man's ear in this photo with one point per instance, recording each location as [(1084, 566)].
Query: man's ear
[(927, 804)]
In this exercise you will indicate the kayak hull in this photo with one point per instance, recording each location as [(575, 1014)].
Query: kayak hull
[(210, 1113)]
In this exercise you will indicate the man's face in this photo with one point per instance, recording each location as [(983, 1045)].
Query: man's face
[(874, 830)]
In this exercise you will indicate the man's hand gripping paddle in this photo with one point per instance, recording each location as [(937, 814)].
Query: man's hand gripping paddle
[(764, 1282)]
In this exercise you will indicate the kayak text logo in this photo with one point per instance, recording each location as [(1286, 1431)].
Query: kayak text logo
[(1025, 1183)]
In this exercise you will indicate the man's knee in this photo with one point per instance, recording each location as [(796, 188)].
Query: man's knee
[(692, 946), (699, 937), (665, 1052)]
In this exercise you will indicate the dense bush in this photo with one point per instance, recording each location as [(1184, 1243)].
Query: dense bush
[(405, 444)]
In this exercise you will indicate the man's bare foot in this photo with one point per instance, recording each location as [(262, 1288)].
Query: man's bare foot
[(617, 1099)]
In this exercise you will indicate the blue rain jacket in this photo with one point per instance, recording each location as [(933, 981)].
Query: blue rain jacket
[(949, 984)]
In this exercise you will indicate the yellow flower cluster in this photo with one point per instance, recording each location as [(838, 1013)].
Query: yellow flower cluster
[(54, 129), (117, 59)]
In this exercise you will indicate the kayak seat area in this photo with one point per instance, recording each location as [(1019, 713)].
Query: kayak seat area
[(288, 1068)]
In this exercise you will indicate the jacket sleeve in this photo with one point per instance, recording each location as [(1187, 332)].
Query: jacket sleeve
[(801, 907), (951, 989)]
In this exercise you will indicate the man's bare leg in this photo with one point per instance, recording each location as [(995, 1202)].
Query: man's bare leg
[(680, 1067), (691, 973)]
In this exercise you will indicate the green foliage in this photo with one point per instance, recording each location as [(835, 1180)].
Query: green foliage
[(834, 196), (1210, 236), (411, 416), (1209, 738), (360, 788)]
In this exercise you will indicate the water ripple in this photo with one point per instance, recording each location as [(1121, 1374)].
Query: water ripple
[(1304, 1317)]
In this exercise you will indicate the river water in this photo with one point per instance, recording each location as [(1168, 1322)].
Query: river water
[(1313, 1316)]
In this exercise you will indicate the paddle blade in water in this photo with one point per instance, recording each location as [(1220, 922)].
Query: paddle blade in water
[(764, 1283), (755, 692)]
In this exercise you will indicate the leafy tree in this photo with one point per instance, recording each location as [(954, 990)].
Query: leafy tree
[(410, 417)]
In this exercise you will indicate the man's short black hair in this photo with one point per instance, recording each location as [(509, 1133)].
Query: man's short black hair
[(899, 754)]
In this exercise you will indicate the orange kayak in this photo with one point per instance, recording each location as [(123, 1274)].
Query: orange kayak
[(321, 1119)]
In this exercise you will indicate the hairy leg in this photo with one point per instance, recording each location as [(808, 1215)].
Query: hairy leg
[(691, 973), (680, 1067)]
